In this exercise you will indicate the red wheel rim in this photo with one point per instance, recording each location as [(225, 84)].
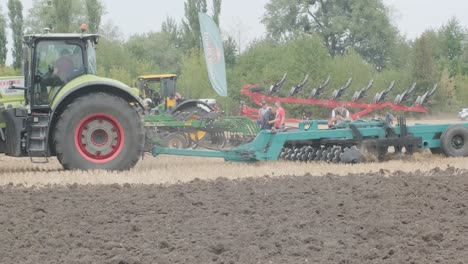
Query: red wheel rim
[(99, 138)]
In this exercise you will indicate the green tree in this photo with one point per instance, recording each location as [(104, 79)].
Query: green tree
[(39, 17), (3, 39), (264, 62), (423, 68), (464, 60), (216, 10), (15, 13), (9, 71), (156, 48), (451, 37), (285, 18), (193, 81), (111, 32), (62, 14), (171, 28), (363, 25), (58, 15), (348, 66), (116, 61), (191, 35), (400, 54), (191, 25), (110, 53), (382, 80), (230, 51), (94, 12), (461, 82), (447, 95), (122, 74)]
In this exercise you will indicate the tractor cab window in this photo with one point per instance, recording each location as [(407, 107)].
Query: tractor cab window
[(57, 63), (168, 87), (26, 70), (91, 51)]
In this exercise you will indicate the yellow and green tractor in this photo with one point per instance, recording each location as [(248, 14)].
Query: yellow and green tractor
[(63, 109)]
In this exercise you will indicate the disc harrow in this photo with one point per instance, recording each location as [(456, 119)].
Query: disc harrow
[(330, 154), (192, 130)]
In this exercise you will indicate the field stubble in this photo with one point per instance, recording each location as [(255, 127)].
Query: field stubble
[(173, 169)]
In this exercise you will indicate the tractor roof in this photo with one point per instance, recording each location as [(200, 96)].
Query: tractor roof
[(157, 77), (60, 36)]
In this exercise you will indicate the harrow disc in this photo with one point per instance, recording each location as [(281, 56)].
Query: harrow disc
[(325, 154), (283, 153), (308, 151), (337, 153), (318, 154), (312, 154)]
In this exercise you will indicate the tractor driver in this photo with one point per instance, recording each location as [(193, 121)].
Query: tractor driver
[(78, 65), (63, 67)]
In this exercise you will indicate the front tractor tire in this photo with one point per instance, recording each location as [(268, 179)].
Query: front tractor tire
[(99, 131)]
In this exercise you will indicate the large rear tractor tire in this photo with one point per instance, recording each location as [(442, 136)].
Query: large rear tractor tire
[(454, 141), (99, 131)]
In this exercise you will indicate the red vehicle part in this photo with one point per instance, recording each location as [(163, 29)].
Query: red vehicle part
[(99, 138), (258, 97)]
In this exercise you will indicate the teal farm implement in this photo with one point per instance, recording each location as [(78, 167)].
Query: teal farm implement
[(348, 143)]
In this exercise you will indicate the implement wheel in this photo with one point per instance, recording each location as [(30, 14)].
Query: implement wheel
[(176, 141), (99, 131), (454, 141)]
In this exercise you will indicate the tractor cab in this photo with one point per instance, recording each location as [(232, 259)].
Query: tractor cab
[(160, 88), (50, 61)]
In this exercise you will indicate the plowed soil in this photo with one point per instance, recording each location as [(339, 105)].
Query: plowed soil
[(401, 217)]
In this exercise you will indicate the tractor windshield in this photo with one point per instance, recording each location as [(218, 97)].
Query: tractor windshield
[(56, 63)]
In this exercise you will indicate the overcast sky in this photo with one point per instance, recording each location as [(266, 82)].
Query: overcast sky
[(241, 18)]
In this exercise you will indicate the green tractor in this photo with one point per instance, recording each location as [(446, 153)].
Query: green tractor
[(180, 123), (86, 121), (161, 90)]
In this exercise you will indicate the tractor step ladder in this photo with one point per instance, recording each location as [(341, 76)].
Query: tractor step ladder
[(38, 129)]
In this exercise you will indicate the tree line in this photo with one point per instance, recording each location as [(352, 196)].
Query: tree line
[(340, 38)]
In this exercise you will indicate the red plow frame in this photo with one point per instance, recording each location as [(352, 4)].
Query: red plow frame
[(254, 92)]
